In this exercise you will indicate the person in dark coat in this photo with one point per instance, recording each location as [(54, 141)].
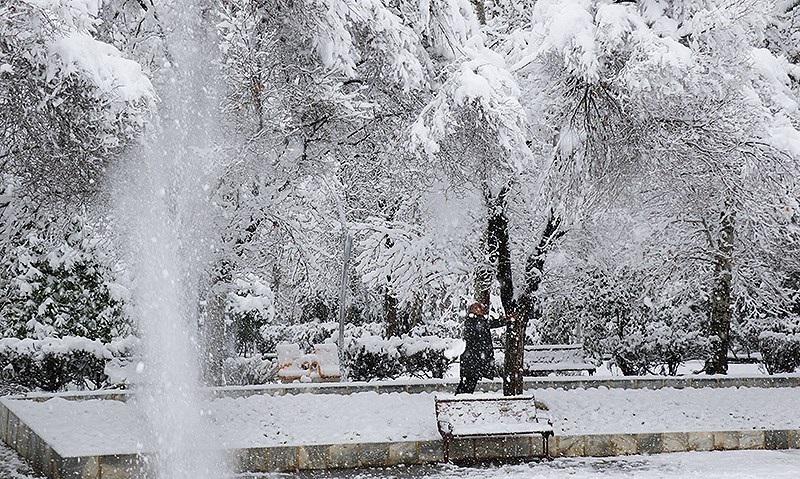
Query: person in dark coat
[(478, 359)]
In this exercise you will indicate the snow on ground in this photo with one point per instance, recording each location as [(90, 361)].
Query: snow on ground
[(686, 465), (76, 428), (109, 427), (603, 410), (12, 466)]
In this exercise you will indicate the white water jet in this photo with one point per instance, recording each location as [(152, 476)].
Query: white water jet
[(163, 200)]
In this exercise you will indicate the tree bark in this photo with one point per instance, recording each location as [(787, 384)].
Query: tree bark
[(480, 11), (719, 323), (394, 326), (524, 308), (214, 337)]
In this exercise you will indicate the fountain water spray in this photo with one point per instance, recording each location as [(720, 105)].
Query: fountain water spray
[(163, 197)]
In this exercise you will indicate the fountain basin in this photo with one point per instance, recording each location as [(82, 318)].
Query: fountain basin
[(294, 427)]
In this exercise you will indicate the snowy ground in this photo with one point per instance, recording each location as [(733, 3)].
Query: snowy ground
[(687, 465), (693, 465), (109, 427), (12, 466)]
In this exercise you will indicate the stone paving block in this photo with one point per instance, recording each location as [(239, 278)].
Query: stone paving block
[(114, 471), (623, 444), (13, 426), (776, 439), (127, 466), (462, 449), (312, 457), (517, 446), (649, 443), (80, 468), (567, 446), (751, 440), (598, 445), (704, 382), (794, 439), (625, 383), (36, 451), (537, 446), (47, 458), (373, 454), (701, 441), (403, 453), (764, 382), (343, 456), (252, 459), (675, 383), (430, 451), (674, 442), (488, 448), (3, 423), (282, 458), (654, 383), (23, 441)]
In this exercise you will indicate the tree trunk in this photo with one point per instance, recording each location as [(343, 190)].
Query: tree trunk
[(480, 11), (214, 337), (719, 323), (394, 326), (524, 309), (395, 322)]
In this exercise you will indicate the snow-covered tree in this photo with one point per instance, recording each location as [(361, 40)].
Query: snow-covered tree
[(68, 101)]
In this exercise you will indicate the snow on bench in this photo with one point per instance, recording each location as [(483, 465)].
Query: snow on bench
[(321, 365), (541, 359), (478, 415)]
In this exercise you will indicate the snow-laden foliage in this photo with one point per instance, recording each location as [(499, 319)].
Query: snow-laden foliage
[(52, 364), (251, 306), (68, 101), (62, 288), (372, 357), (780, 351)]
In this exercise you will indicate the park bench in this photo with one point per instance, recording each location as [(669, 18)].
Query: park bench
[(543, 359), (474, 415), (321, 365)]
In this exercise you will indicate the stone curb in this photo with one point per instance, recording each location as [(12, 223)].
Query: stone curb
[(449, 385)]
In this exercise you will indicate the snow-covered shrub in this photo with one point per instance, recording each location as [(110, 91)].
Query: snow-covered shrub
[(62, 288), (241, 371), (52, 364), (372, 357), (654, 346), (780, 352), (670, 346), (426, 357), (630, 353), (304, 334)]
